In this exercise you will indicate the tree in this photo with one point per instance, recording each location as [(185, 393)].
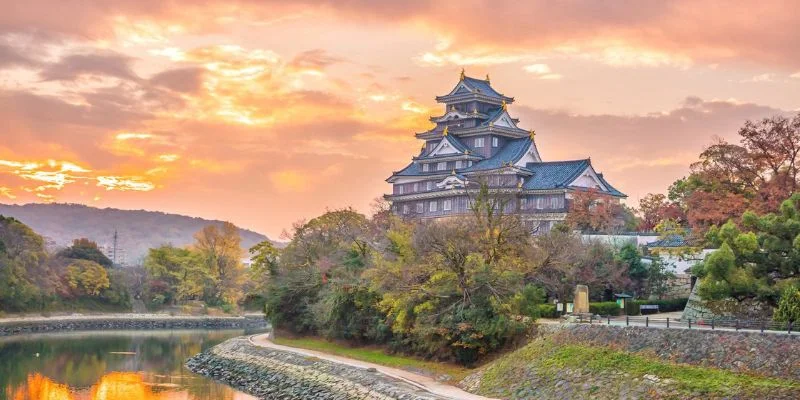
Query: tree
[(23, 278), (220, 252), (264, 257), (654, 208), (788, 306), (592, 211), (754, 263), (87, 277), (175, 274), (756, 174), (85, 249)]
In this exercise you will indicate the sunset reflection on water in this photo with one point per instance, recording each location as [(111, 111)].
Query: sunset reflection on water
[(109, 366)]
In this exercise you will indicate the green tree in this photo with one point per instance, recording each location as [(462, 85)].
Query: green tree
[(788, 306), (175, 274), (23, 278), (756, 262), (85, 249)]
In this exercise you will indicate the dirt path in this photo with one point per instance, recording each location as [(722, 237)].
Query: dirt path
[(420, 381)]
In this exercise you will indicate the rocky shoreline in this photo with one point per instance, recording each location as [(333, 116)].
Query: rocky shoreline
[(274, 374), (22, 326)]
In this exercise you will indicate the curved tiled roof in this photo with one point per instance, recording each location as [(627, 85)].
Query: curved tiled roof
[(511, 152), (481, 85), (554, 174)]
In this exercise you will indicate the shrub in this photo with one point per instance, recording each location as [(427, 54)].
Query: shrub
[(604, 308), (548, 311), (631, 308), (669, 305), (788, 306)]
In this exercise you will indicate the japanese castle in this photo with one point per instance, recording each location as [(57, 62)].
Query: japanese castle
[(478, 141)]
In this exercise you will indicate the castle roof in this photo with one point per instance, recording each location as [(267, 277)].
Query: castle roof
[(554, 174), (469, 86), (512, 152)]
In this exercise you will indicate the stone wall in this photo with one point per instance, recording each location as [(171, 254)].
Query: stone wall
[(699, 309), (125, 322), (275, 374), (767, 354)]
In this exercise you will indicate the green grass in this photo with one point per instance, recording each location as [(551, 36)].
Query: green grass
[(547, 357), (377, 356)]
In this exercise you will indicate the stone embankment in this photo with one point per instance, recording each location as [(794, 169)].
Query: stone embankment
[(269, 373), (21, 326), (775, 355), (643, 363)]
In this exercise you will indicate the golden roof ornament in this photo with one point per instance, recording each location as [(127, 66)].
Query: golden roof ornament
[(505, 105), (444, 132), (519, 184), (487, 78), (532, 134), (462, 74)]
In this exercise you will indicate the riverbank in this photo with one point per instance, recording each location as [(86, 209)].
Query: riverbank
[(28, 325), (609, 362), (264, 369)]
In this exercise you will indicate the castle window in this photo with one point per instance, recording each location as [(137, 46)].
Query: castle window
[(420, 208), (495, 142), (523, 203), (458, 164), (405, 208), (424, 167), (441, 166), (432, 206), (447, 205), (429, 185), (399, 189), (540, 203), (479, 142), (416, 187)]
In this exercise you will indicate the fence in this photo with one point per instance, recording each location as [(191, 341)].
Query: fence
[(712, 324)]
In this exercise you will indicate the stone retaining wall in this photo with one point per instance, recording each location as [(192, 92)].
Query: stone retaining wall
[(122, 322), (269, 373), (767, 354)]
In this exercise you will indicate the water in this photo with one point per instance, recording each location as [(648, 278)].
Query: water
[(121, 365)]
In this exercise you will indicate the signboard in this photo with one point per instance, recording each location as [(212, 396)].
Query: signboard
[(560, 307)]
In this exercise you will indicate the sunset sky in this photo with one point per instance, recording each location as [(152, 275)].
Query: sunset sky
[(267, 112)]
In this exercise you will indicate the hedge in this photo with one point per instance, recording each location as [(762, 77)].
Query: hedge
[(666, 305), (604, 308), (548, 311)]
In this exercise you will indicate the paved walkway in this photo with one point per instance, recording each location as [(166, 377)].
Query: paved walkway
[(423, 382)]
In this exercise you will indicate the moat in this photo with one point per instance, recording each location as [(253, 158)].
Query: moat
[(118, 365)]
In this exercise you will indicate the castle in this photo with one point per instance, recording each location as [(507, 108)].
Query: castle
[(477, 141)]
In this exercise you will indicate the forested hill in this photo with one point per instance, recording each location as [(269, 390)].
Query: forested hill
[(138, 230)]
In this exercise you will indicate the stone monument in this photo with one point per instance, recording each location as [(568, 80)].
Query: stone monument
[(581, 300)]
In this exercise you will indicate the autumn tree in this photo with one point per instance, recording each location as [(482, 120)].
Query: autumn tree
[(87, 277), (219, 249), (757, 173), (175, 274), (592, 211), (655, 208)]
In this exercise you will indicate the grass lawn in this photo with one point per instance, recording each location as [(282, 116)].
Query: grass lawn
[(377, 356), (548, 357)]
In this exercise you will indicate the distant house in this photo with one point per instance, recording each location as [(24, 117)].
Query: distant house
[(476, 141)]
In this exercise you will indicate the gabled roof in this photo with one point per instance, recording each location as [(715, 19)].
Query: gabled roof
[(610, 188), (469, 85), (669, 241), (554, 174), (452, 141), (511, 152), (482, 86)]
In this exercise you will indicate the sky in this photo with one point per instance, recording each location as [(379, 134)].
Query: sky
[(265, 113)]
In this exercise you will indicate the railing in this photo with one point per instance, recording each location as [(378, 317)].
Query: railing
[(712, 323)]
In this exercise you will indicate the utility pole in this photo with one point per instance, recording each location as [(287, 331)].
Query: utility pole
[(114, 249)]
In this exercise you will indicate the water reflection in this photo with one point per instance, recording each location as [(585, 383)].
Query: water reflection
[(109, 366)]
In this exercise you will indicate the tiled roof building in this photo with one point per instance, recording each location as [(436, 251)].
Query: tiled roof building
[(476, 140)]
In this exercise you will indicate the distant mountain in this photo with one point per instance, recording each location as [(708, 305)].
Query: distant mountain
[(137, 230)]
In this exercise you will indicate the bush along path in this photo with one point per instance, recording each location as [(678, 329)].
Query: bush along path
[(266, 370)]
